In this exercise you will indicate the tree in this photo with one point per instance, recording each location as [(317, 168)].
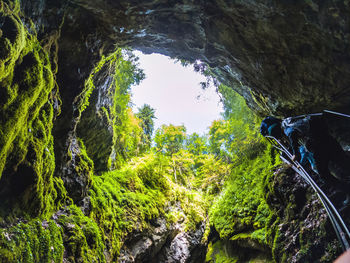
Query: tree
[(169, 139), (132, 135), (237, 135), (220, 139), (196, 144), (235, 107), (146, 115)]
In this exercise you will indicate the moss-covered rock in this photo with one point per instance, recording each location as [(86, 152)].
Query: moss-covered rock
[(27, 160), (240, 214), (69, 235), (78, 171), (127, 205), (298, 229), (33, 241), (104, 123)]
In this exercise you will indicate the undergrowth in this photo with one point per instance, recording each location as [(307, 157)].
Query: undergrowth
[(241, 205)]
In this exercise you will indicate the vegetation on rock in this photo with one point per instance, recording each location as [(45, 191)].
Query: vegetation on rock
[(222, 188), (27, 160)]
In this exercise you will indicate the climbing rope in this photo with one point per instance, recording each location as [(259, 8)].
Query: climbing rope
[(322, 113), (337, 113), (338, 224)]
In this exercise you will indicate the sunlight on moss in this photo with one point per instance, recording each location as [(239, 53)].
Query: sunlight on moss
[(26, 118), (212, 183)]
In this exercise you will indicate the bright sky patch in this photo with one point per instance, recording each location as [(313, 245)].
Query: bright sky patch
[(173, 90)]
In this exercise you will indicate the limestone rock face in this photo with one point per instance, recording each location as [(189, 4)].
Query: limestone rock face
[(300, 230), (162, 243), (285, 58)]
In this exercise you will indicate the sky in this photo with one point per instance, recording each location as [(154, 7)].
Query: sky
[(172, 90)]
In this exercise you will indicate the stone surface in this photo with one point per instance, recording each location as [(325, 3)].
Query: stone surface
[(300, 230), (185, 247), (164, 243), (285, 58)]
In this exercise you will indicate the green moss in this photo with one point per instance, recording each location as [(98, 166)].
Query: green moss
[(69, 232), (124, 200), (79, 177), (218, 254), (26, 146), (242, 204), (193, 207), (276, 246), (34, 241), (82, 237), (12, 40), (84, 165), (129, 199), (105, 126)]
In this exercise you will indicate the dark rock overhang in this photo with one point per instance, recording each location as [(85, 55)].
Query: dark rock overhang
[(284, 57)]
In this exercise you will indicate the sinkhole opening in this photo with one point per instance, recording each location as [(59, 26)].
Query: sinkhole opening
[(178, 93)]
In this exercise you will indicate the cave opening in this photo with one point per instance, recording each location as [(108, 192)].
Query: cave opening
[(175, 90), (88, 190)]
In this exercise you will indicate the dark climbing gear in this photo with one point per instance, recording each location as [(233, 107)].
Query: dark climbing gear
[(306, 156), (302, 125), (270, 126), (338, 224)]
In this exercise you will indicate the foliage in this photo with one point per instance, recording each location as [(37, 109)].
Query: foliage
[(241, 204), (126, 74), (146, 115), (206, 71), (220, 139), (126, 200), (237, 134), (131, 136), (169, 139), (196, 144), (108, 127), (240, 212), (211, 174)]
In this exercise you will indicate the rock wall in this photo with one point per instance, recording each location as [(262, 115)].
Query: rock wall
[(283, 57), (299, 228), (29, 105)]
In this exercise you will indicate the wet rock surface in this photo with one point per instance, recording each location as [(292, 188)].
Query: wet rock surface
[(284, 58), (300, 230), (162, 243)]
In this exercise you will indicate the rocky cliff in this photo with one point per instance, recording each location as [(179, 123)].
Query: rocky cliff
[(284, 57)]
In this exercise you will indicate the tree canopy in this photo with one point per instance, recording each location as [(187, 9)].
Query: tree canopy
[(169, 139), (146, 114)]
